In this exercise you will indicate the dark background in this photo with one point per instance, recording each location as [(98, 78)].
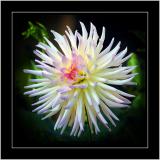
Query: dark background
[(28, 129)]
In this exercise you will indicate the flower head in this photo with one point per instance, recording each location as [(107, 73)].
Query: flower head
[(76, 82)]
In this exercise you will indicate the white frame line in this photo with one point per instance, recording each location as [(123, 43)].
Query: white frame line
[(12, 79)]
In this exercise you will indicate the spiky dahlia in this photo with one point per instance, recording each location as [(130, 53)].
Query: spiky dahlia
[(76, 82)]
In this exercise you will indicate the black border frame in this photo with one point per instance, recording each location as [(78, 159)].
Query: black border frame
[(152, 8)]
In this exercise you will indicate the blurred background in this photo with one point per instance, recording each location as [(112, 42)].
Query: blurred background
[(28, 128)]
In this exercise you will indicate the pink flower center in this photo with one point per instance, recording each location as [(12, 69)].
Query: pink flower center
[(75, 70), (71, 72)]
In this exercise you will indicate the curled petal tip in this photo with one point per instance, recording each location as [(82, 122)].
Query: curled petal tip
[(119, 43)]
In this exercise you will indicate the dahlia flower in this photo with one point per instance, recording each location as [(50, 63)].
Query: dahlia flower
[(78, 80)]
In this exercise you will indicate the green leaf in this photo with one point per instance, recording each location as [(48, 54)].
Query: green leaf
[(133, 61), (36, 31)]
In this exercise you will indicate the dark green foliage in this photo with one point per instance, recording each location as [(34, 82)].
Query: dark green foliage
[(36, 31)]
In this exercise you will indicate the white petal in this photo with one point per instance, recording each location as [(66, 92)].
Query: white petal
[(62, 43), (93, 95), (91, 32), (35, 72), (92, 117), (88, 98), (124, 94), (38, 80), (42, 100), (79, 112), (111, 103), (52, 92), (125, 100), (64, 127), (50, 44), (64, 90), (70, 104), (52, 52), (96, 107), (47, 74), (76, 130), (43, 105), (108, 116), (84, 31), (102, 118), (75, 125), (79, 133), (53, 112), (59, 118), (41, 45), (48, 68), (105, 64), (95, 36), (101, 40), (90, 122), (119, 82), (111, 96), (126, 58), (43, 57), (56, 101), (103, 35), (64, 118), (37, 85), (105, 86), (110, 54), (35, 90), (79, 86), (118, 70), (51, 104), (105, 51), (129, 69), (121, 54), (131, 75), (110, 112), (41, 92), (71, 37)]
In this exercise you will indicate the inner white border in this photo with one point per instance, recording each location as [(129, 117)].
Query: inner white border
[(12, 82)]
